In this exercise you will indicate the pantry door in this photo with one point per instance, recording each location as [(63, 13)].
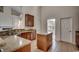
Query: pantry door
[(66, 29)]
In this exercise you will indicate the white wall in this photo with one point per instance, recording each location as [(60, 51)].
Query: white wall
[(58, 12), (37, 17)]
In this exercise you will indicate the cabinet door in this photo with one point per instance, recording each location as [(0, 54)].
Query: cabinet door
[(23, 35), (26, 20), (26, 48), (77, 39), (49, 39), (33, 36), (29, 20)]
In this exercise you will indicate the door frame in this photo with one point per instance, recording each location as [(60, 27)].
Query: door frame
[(71, 27)]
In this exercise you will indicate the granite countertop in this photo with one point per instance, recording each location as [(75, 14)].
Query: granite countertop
[(18, 30), (13, 43), (14, 31), (23, 31)]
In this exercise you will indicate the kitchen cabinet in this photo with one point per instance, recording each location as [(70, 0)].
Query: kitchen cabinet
[(44, 41), (31, 35), (26, 48), (77, 38), (29, 20)]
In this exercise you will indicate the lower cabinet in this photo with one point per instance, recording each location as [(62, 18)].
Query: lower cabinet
[(77, 38), (44, 42), (26, 48), (31, 35)]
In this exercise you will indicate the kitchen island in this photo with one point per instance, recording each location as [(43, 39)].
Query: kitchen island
[(44, 41), (15, 43)]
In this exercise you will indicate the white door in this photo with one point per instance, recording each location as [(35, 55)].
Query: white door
[(66, 29)]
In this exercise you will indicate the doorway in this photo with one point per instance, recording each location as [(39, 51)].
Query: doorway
[(51, 27), (66, 29)]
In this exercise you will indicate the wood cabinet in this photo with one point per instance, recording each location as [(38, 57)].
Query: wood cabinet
[(77, 38), (26, 48), (31, 35), (44, 41), (29, 20)]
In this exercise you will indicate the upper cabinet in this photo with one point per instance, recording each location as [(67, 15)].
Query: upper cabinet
[(9, 17), (29, 20)]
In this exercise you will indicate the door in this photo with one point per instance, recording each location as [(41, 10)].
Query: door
[(51, 26), (66, 29)]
